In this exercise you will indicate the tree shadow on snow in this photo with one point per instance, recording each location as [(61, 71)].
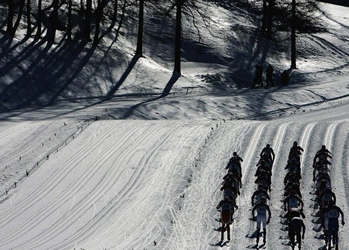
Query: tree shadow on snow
[(47, 73), (124, 76)]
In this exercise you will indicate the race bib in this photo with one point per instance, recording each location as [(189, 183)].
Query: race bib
[(333, 213), (226, 206)]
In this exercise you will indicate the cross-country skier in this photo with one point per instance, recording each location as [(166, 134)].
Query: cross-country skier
[(295, 150), (323, 153), (233, 176), (295, 226), (227, 207), (227, 211), (294, 212), (326, 197), (331, 215), (260, 193), (261, 218), (269, 151), (234, 164), (293, 201)]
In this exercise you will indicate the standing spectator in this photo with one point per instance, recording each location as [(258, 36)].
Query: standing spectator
[(269, 76), (259, 76), (285, 78)]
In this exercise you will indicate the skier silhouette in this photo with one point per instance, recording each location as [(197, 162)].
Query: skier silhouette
[(262, 219)]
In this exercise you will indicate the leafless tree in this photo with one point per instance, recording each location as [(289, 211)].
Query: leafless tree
[(139, 50)]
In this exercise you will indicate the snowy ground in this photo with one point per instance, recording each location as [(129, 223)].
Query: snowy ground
[(138, 171)]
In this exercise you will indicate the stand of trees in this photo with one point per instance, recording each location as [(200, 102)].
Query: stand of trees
[(293, 15), (56, 15), (63, 15)]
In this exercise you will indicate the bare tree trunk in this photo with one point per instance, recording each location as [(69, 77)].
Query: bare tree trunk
[(99, 14), (87, 26), (115, 14), (29, 23), (20, 13), (69, 26), (54, 21), (139, 50), (293, 36), (270, 18), (265, 15), (82, 7), (38, 31), (10, 17), (178, 38)]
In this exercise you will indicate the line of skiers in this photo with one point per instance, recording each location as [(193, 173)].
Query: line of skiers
[(261, 212), (293, 203), (325, 198), (231, 189)]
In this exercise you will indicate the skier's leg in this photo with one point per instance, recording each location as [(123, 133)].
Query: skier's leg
[(329, 237), (299, 239), (335, 238), (228, 231), (258, 234), (259, 222), (291, 235), (222, 231), (264, 235)]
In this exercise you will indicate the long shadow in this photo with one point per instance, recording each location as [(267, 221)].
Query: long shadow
[(263, 46), (48, 75), (25, 53), (15, 87), (170, 83), (124, 76), (166, 91), (75, 72), (134, 107)]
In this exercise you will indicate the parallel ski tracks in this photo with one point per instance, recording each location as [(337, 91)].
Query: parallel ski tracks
[(186, 232), (94, 239), (339, 173), (154, 182), (50, 184), (106, 183), (242, 224), (168, 196), (48, 187), (310, 135)]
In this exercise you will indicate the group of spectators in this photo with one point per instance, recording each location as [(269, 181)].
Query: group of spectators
[(269, 80)]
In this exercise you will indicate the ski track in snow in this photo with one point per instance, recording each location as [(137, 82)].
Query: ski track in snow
[(148, 184)]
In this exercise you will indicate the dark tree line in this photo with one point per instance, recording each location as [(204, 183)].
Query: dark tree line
[(53, 15), (58, 14), (293, 15)]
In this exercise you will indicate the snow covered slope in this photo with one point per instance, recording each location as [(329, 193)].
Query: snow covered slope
[(134, 184)]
